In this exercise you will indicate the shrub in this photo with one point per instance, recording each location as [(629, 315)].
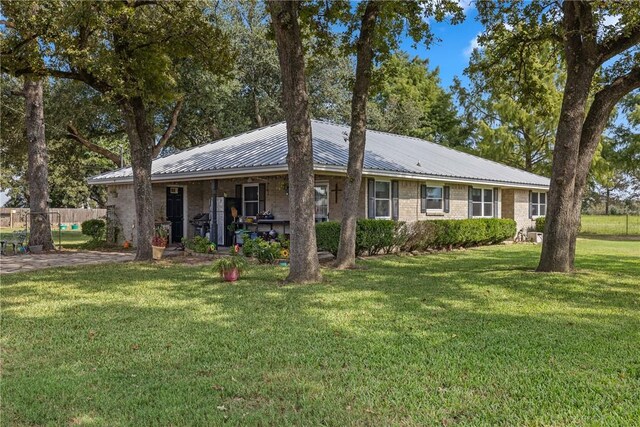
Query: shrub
[(328, 236), (445, 233), (94, 228), (199, 244), (540, 224), (374, 235), (265, 252), (420, 235)]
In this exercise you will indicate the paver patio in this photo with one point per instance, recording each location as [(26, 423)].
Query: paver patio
[(20, 263)]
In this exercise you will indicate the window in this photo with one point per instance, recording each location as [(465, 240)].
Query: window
[(538, 203), (434, 198), (250, 200), (482, 200), (383, 199), (322, 202)]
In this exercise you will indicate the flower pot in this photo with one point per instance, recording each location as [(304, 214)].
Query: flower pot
[(231, 275), (158, 251), (35, 249)]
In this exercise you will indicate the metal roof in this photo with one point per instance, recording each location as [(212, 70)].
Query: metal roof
[(265, 150)]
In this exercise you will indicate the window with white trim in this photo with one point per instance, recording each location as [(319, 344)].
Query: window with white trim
[(435, 197), (250, 199), (538, 203), (383, 199), (482, 200)]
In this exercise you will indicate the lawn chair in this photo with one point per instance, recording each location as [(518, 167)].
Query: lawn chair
[(17, 240)]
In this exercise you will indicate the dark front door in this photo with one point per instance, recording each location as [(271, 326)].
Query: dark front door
[(229, 204), (175, 212)]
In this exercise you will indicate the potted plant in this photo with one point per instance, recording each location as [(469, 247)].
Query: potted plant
[(159, 242), (230, 267)]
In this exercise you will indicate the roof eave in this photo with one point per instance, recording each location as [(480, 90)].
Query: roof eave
[(265, 170)]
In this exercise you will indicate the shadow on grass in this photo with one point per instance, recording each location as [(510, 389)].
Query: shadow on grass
[(458, 337)]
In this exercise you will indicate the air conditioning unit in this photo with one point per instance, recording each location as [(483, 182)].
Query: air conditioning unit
[(534, 236)]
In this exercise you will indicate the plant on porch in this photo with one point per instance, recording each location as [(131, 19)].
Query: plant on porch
[(159, 242)]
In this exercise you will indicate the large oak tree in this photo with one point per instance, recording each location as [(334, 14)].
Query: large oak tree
[(131, 53), (304, 265), (600, 47)]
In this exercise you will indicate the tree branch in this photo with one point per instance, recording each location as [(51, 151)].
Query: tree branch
[(75, 135), (612, 47), (598, 116), (172, 125)]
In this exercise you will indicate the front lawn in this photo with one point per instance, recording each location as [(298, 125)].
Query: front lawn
[(473, 337)]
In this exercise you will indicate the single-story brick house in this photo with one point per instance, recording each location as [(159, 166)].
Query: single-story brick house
[(406, 179)]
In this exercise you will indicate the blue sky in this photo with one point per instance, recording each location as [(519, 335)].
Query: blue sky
[(451, 53)]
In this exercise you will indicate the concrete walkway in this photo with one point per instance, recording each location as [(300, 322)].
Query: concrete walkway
[(22, 263)]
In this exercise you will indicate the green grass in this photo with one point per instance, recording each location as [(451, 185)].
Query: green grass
[(610, 225), (467, 338), (70, 239)]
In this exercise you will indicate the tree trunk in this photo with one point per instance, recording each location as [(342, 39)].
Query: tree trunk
[(561, 225), (357, 138), (141, 140), (304, 265), (40, 233), (606, 201)]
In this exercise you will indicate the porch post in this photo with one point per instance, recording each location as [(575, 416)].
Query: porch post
[(213, 221)]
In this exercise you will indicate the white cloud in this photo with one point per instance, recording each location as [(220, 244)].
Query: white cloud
[(473, 44)]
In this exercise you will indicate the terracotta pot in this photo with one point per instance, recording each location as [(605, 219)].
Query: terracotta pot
[(158, 251), (231, 275)]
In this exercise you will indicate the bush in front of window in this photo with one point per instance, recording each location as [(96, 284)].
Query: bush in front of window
[(375, 235), (372, 236), (456, 233), (420, 235), (540, 224)]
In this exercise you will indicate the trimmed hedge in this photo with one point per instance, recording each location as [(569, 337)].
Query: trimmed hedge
[(540, 224), (328, 236), (456, 233), (374, 236)]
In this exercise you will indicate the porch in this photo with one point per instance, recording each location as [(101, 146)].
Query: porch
[(257, 204)]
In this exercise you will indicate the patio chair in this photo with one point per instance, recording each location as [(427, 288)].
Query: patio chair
[(17, 240)]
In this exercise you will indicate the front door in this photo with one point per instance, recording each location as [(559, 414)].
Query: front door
[(175, 212)]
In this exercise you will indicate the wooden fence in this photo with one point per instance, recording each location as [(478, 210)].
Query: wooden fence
[(17, 217)]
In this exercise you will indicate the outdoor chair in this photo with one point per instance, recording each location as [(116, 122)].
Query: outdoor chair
[(17, 240)]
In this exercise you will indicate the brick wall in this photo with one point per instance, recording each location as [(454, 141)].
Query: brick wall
[(512, 203)]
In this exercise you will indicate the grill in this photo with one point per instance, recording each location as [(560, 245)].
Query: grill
[(201, 224)]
